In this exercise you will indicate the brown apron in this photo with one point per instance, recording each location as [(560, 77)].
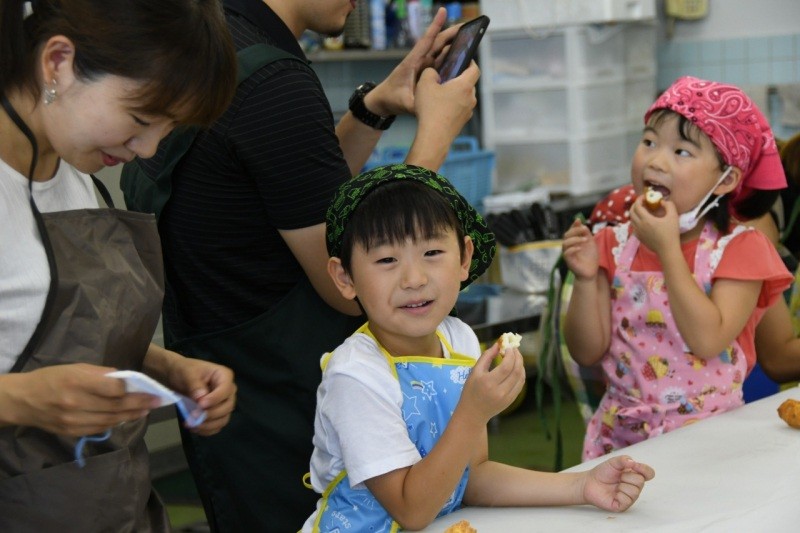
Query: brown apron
[(103, 306)]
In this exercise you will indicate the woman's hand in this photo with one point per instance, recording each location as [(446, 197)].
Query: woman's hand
[(73, 400), (209, 384), (616, 484)]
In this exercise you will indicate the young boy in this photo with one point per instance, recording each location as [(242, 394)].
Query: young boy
[(400, 430)]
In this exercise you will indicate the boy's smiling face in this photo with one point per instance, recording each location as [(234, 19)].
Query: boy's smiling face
[(406, 288)]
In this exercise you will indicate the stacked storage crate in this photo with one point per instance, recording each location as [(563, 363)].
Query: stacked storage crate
[(563, 102)]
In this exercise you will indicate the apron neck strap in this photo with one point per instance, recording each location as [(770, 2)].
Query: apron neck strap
[(16, 119), (48, 247)]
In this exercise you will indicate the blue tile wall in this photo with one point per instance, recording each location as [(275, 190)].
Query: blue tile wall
[(758, 61), (761, 61)]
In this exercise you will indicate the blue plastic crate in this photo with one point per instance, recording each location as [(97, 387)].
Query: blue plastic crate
[(467, 167)]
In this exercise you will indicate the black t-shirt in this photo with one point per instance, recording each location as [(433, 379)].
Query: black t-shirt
[(272, 161)]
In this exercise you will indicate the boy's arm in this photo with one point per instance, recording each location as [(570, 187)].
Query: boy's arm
[(613, 485), (413, 496)]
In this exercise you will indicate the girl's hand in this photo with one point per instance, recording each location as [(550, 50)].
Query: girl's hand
[(210, 385), (490, 390), (580, 251), (656, 231), (616, 484), (72, 399)]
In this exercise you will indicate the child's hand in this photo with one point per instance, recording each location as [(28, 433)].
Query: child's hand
[(490, 390), (580, 251), (656, 231), (615, 485)]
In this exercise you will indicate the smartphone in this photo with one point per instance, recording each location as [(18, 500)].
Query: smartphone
[(462, 48)]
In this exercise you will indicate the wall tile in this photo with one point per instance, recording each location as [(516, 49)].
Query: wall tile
[(758, 49), (734, 50), (735, 73), (782, 47), (711, 52), (784, 71)]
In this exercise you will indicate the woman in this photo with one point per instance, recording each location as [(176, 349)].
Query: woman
[(81, 287)]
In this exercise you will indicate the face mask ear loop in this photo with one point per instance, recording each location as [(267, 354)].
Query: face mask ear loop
[(715, 202), (689, 220)]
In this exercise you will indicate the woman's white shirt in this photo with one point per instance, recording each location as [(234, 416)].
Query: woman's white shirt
[(24, 272)]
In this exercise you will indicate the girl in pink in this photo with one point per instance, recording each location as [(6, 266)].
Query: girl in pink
[(668, 302)]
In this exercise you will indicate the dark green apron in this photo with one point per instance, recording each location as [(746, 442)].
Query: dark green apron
[(249, 475)]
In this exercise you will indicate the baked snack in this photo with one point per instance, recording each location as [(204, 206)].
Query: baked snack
[(509, 340), (789, 411), (461, 527), (652, 199)]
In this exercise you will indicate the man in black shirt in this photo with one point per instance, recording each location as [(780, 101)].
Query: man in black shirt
[(244, 249)]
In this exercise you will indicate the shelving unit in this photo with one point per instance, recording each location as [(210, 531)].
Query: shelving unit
[(562, 106)]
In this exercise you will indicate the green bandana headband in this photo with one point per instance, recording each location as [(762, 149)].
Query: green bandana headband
[(353, 191)]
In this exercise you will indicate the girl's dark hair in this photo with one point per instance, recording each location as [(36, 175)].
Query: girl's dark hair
[(180, 49), (398, 211)]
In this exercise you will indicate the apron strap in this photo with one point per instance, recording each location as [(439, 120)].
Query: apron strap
[(48, 248), (103, 190)]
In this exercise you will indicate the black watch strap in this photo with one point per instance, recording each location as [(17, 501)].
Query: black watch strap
[(363, 114)]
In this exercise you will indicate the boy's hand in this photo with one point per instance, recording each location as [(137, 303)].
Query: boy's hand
[(616, 484), (580, 251), (488, 391)]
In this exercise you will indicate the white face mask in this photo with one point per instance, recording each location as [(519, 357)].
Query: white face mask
[(689, 220)]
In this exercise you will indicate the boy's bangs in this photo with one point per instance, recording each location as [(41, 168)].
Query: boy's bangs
[(400, 211)]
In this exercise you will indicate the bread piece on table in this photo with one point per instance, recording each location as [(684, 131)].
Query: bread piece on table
[(789, 411), (461, 527)]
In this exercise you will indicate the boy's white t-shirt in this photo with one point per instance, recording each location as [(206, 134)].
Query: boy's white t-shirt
[(24, 272), (359, 418)]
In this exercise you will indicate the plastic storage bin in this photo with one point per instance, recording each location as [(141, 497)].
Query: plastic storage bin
[(467, 167)]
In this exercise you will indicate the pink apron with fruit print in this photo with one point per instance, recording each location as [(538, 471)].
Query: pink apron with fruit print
[(654, 384)]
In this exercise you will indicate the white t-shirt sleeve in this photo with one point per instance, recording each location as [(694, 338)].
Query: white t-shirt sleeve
[(359, 424)]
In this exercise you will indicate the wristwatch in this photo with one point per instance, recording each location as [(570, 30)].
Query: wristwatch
[(363, 114)]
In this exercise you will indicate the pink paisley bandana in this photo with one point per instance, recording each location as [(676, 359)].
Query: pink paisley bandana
[(734, 124)]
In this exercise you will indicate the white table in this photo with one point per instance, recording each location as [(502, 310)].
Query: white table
[(739, 471)]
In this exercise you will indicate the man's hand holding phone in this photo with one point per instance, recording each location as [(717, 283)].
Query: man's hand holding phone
[(463, 48)]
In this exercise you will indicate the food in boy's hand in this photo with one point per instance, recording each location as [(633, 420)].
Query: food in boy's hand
[(461, 527), (509, 340), (653, 199), (789, 411)]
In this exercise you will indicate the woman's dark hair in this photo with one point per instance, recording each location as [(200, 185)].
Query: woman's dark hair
[(180, 49), (398, 211)]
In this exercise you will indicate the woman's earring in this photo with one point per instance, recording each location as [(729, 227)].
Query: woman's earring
[(50, 93)]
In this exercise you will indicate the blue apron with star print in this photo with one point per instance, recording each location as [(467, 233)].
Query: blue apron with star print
[(431, 388)]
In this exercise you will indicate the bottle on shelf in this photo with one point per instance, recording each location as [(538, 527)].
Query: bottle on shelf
[(402, 37), (377, 24)]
